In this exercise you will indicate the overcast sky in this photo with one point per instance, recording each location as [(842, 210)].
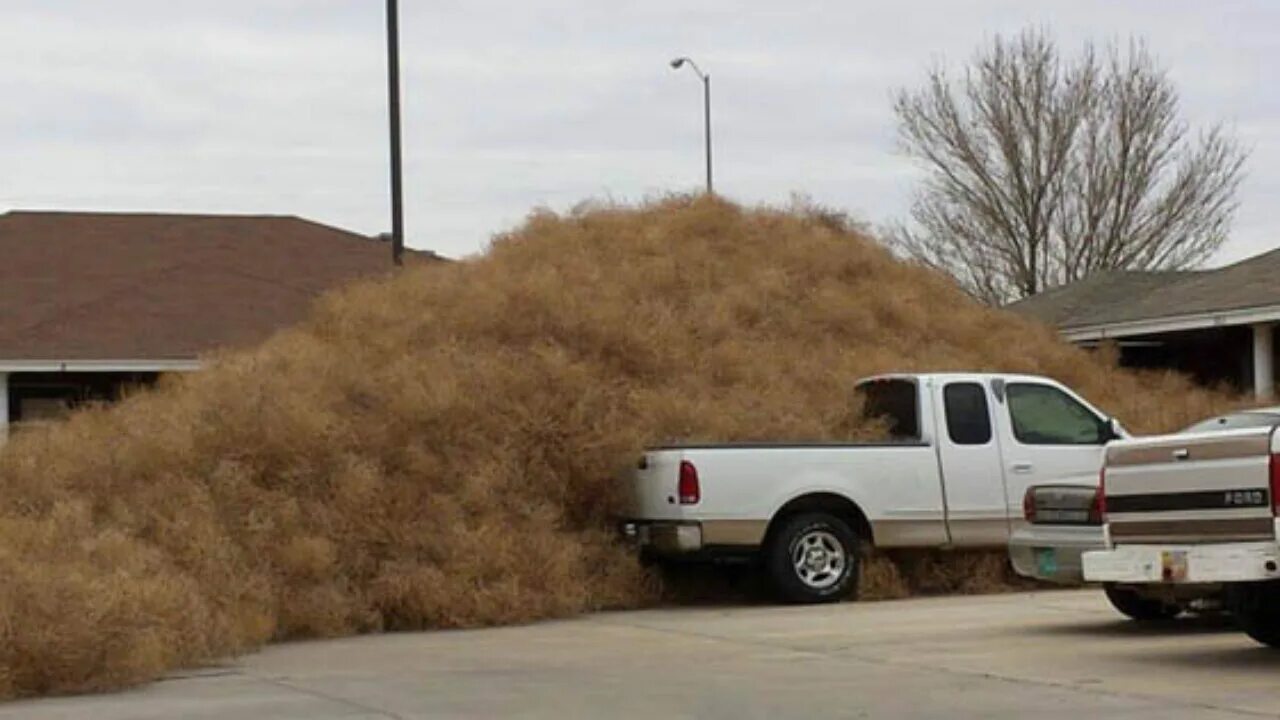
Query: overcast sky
[(279, 106)]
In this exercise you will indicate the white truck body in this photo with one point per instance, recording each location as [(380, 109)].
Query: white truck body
[(966, 446), (1191, 509), (1064, 522), (1191, 518)]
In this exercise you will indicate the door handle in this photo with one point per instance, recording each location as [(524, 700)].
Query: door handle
[(1181, 454), (1022, 468)]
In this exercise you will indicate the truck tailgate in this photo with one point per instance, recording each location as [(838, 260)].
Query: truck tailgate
[(1212, 487), (655, 484)]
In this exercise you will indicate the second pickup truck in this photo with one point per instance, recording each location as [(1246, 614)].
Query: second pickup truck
[(1187, 513), (960, 453)]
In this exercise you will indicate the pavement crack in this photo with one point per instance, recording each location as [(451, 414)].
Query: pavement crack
[(362, 707), (716, 638)]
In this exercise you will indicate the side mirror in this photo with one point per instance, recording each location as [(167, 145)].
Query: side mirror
[(1114, 431)]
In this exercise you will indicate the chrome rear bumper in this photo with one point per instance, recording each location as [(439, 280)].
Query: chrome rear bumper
[(1177, 564), (664, 537)]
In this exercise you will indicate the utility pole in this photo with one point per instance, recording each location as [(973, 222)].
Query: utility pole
[(393, 94)]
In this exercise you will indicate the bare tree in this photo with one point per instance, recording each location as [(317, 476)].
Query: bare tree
[(1040, 171)]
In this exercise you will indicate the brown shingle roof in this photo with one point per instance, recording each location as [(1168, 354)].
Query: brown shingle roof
[(105, 286), (1117, 297), (1095, 299)]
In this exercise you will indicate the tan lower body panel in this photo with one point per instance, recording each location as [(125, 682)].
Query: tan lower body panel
[(909, 533), (979, 532), (733, 532), (1214, 530)]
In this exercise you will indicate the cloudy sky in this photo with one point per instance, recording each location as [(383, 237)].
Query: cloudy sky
[(278, 106)]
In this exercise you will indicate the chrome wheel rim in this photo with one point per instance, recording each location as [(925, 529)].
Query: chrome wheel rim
[(819, 559)]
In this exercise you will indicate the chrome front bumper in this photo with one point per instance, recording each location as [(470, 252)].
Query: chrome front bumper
[(1052, 553)]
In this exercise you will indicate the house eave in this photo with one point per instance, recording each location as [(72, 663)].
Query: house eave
[(1172, 323), (100, 365)]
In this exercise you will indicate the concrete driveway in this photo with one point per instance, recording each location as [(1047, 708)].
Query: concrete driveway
[(1049, 654)]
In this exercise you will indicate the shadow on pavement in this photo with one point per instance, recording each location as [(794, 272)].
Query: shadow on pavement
[(705, 585), (1120, 627), (1248, 656)]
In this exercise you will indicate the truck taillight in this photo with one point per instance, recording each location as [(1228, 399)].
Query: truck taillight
[(1029, 505), (1100, 499), (690, 491), (1275, 484), (1097, 509)]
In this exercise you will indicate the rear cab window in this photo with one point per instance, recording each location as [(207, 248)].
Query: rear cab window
[(896, 403)]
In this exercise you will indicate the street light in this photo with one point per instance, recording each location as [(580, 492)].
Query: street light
[(706, 105), (393, 106)]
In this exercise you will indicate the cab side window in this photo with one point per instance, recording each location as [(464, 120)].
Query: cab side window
[(968, 421), (1044, 415)]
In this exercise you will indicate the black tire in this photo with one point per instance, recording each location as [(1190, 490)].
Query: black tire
[(830, 564), (1136, 607), (1256, 608)]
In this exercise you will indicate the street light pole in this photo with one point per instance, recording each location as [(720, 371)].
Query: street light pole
[(706, 108), (706, 119), (393, 97)]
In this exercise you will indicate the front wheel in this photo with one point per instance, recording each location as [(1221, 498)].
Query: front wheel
[(1133, 605), (813, 558), (1256, 608)]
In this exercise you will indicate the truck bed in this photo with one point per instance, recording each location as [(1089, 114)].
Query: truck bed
[(750, 444)]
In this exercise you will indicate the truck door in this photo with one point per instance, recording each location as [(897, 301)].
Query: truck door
[(1047, 436), (969, 454)]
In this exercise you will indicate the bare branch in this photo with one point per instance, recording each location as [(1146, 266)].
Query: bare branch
[(1040, 171)]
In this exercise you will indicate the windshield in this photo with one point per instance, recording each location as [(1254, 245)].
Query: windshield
[(1235, 421)]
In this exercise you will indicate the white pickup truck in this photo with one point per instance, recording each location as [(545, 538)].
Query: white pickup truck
[(1189, 513), (962, 450), (1065, 521)]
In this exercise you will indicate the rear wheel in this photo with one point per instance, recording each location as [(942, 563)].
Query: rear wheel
[(813, 558), (1136, 607), (1256, 608)]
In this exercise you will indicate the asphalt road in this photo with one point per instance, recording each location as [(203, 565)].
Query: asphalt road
[(1048, 655)]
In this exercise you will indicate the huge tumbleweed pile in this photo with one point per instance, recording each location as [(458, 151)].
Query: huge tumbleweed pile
[(441, 448)]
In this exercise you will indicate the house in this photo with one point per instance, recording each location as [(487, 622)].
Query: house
[(1217, 325), (91, 303)]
